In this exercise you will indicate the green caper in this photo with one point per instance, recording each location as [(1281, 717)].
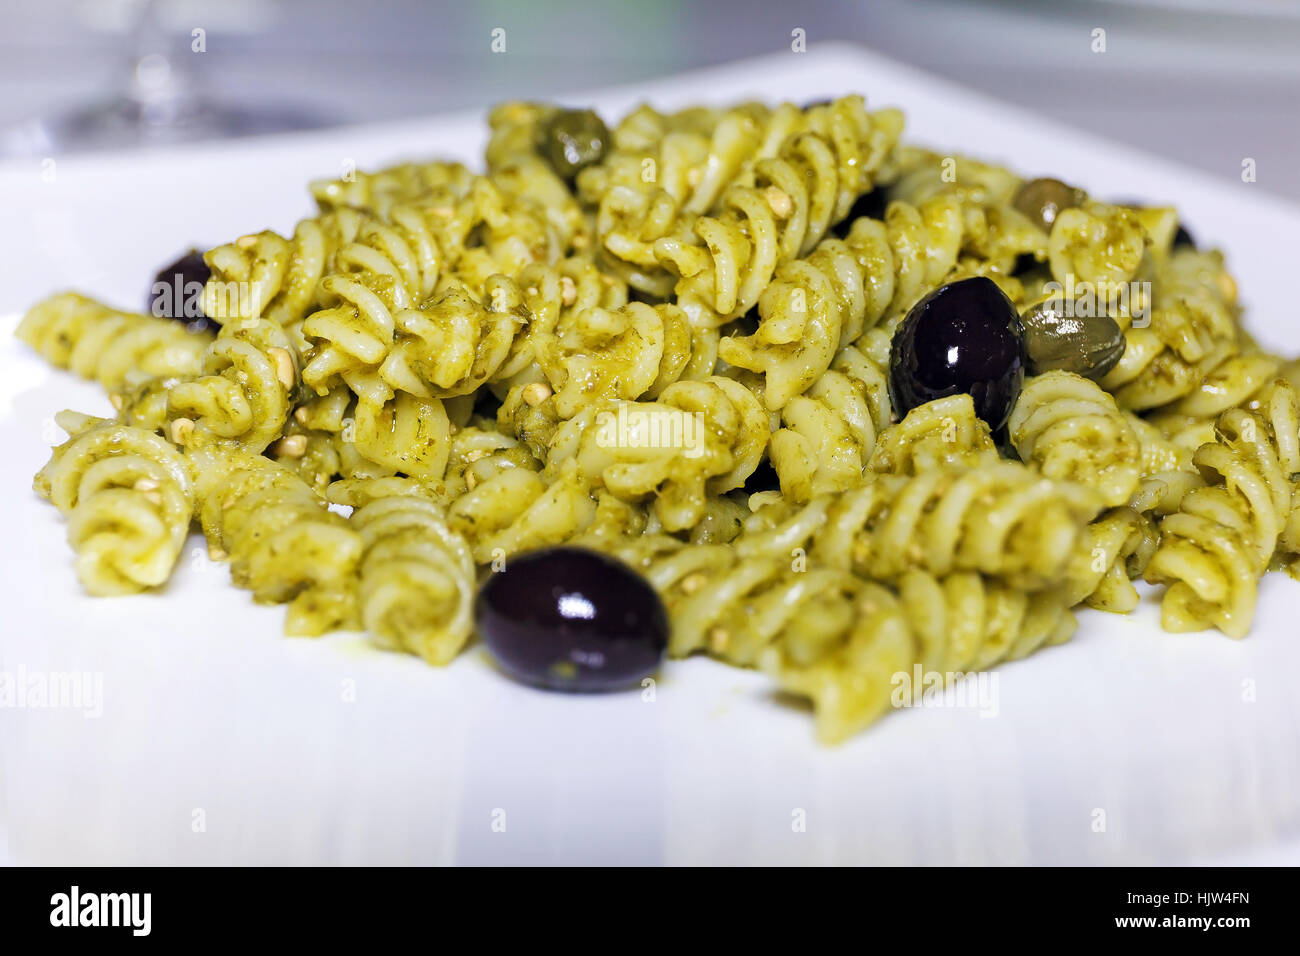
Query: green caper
[(572, 140), (1056, 337), (1042, 199)]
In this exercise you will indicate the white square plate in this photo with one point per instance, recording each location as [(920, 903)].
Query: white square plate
[(219, 741)]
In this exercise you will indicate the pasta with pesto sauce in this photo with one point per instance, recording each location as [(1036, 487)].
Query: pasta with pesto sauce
[(708, 344)]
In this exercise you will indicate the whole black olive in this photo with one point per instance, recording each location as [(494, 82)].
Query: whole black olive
[(965, 336), (176, 292), (571, 140), (572, 619), (870, 204), (1042, 199)]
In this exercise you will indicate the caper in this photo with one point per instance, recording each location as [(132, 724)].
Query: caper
[(1042, 199), (572, 140), (1056, 338)]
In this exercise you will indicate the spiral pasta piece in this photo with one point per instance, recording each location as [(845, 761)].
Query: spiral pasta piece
[(932, 627), (399, 247), (116, 349), (1159, 452), (724, 519), (247, 274), (965, 622), (1238, 380), (555, 296), (515, 511), (348, 340), (936, 435), (478, 453), (508, 231), (250, 373), (455, 343), (664, 171), (585, 342), (1113, 551), (517, 169), (911, 251), (329, 437), (1189, 346), (514, 128), (449, 346), (402, 257), (312, 444), (397, 231), (477, 231), (1000, 519), (695, 439), (817, 305), (628, 353), (563, 324), (828, 434), (1070, 430), (540, 220), (282, 542), (407, 434), (692, 155), (417, 577), (1223, 536), (796, 196), (994, 234), (832, 636), (733, 607), (378, 192), (128, 495), (1098, 244)]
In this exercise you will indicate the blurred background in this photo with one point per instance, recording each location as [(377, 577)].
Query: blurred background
[(1202, 81)]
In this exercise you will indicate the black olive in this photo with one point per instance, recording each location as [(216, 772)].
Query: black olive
[(176, 291), (825, 101), (965, 336), (870, 204), (572, 619), (1042, 199), (572, 140)]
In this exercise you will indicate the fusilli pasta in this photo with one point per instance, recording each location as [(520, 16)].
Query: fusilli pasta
[(115, 349), (128, 496), (672, 342)]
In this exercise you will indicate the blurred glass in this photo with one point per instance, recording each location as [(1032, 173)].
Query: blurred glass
[(159, 98)]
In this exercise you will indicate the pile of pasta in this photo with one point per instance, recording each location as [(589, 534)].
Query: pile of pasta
[(410, 389)]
